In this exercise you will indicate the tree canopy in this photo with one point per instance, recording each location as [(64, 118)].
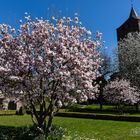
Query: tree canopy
[(54, 61)]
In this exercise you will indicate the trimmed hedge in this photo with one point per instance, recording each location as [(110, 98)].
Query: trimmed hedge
[(104, 110), (99, 116)]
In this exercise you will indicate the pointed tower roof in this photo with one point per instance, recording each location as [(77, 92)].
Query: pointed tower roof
[(132, 24), (133, 14)]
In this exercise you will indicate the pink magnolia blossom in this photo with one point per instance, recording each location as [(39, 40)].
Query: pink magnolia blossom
[(121, 92), (49, 61)]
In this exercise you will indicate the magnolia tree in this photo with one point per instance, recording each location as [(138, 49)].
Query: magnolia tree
[(120, 92), (54, 61), (129, 58)]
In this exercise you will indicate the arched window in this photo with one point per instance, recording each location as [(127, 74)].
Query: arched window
[(12, 105)]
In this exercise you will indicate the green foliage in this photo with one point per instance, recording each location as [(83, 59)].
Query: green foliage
[(30, 133), (57, 133), (16, 133), (73, 107)]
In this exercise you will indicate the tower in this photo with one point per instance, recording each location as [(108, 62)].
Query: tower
[(129, 48), (132, 24)]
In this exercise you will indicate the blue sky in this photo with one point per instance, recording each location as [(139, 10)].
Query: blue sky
[(97, 15)]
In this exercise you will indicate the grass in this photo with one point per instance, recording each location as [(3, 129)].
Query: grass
[(99, 129), (7, 112), (15, 120), (103, 130), (97, 106)]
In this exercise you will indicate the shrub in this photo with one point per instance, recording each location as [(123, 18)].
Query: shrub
[(120, 92), (30, 133)]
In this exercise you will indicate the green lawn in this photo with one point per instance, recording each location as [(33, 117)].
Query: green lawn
[(103, 130), (99, 129)]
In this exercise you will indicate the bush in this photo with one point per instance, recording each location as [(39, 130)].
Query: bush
[(20, 111), (29, 133), (73, 107), (57, 133), (16, 133)]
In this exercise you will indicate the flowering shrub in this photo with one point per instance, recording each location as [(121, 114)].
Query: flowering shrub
[(129, 57), (54, 61), (120, 92)]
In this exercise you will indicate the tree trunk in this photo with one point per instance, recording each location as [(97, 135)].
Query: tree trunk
[(41, 126), (39, 118), (101, 99), (138, 107), (50, 117), (101, 106), (49, 125), (120, 109)]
